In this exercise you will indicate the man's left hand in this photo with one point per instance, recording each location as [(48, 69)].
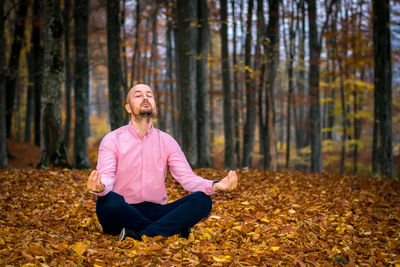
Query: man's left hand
[(228, 183)]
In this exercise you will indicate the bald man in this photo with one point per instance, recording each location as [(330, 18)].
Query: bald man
[(130, 178)]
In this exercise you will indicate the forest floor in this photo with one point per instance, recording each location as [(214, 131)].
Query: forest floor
[(47, 218)]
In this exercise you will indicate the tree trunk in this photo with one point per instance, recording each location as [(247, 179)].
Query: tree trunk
[(3, 137), (301, 135), (315, 116), (185, 49), (289, 47), (383, 83), (271, 50), (249, 128), (229, 162), (201, 75), (13, 65), (68, 78), (30, 100), (81, 75), (136, 53), (123, 48), (114, 65), (236, 120), (172, 95), (37, 61), (52, 149), (211, 101)]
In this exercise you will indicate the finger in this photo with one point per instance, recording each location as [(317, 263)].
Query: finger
[(90, 180)]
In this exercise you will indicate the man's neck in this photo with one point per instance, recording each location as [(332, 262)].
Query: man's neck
[(142, 126)]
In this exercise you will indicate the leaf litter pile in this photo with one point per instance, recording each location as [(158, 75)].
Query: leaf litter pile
[(47, 218)]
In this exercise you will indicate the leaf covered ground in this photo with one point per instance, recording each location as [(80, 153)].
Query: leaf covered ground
[(47, 218)]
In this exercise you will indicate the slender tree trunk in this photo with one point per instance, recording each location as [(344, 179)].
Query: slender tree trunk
[(236, 120), (170, 71), (68, 78), (201, 99), (52, 148), (3, 137), (383, 83), (143, 61), (248, 134), (290, 58), (114, 65), (229, 162), (136, 53), (301, 87), (13, 65), (81, 75), (315, 117), (37, 61), (211, 103), (185, 49), (123, 48), (271, 48), (30, 101)]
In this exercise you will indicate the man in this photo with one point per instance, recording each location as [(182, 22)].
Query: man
[(130, 178)]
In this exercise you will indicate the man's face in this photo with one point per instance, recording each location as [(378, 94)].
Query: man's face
[(141, 103)]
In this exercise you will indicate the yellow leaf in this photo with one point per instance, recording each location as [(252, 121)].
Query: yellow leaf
[(215, 217), (265, 220), (290, 236), (245, 203), (275, 248), (206, 235), (335, 249), (221, 258), (79, 248), (277, 211)]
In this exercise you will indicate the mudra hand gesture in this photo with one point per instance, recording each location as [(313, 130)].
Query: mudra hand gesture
[(228, 183), (94, 183)]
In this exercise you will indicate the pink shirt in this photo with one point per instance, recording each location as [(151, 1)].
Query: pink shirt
[(135, 167)]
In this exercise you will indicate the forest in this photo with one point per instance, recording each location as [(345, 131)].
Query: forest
[(274, 85), (300, 97)]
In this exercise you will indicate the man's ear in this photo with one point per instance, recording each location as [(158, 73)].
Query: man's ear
[(128, 108)]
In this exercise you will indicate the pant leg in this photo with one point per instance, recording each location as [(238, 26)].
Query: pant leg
[(114, 214), (172, 218)]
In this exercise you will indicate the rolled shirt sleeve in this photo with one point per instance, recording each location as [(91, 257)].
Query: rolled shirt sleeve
[(107, 164), (183, 173)]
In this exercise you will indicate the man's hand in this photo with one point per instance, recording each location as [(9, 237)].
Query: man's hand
[(228, 183), (94, 183)]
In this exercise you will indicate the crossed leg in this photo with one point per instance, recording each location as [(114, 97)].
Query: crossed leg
[(149, 218)]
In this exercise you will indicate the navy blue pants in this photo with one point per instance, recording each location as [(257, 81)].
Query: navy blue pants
[(149, 218)]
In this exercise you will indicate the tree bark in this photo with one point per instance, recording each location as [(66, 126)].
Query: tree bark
[(3, 137), (315, 117), (52, 148), (37, 62), (248, 133), (172, 94), (114, 65), (185, 50), (229, 162), (271, 50), (81, 75), (68, 78), (236, 120), (136, 53), (13, 65), (201, 75), (383, 83)]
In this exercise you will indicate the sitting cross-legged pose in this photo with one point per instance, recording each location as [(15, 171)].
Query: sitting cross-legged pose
[(130, 178)]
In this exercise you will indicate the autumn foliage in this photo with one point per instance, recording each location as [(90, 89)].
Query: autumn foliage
[(48, 218)]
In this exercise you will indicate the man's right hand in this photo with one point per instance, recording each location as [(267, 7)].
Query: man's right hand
[(94, 183)]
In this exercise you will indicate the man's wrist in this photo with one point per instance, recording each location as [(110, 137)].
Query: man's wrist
[(213, 185)]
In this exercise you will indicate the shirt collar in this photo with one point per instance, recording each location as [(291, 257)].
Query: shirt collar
[(136, 133)]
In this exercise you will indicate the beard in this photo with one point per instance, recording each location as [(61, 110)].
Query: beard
[(144, 115)]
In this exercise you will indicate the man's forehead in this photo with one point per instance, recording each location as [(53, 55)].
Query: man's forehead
[(140, 88)]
